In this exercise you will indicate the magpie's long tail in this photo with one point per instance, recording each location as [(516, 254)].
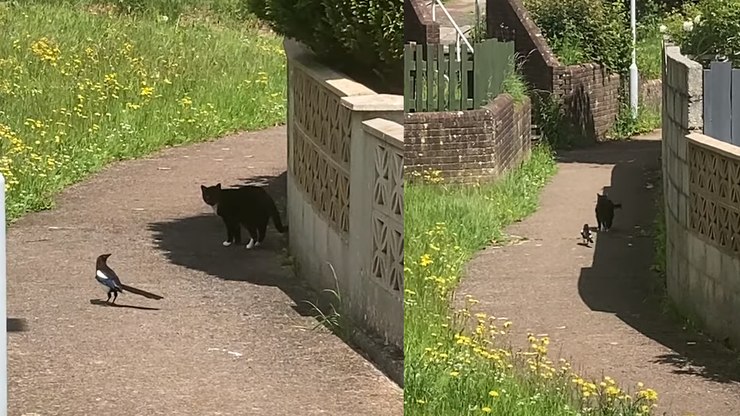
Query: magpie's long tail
[(140, 292)]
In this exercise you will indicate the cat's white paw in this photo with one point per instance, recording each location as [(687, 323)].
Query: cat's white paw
[(257, 244), (226, 243), (250, 244)]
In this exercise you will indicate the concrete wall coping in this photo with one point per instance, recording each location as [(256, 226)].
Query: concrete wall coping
[(386, 130), (725, 149), (675, 53), (375, 102), (340, 84)]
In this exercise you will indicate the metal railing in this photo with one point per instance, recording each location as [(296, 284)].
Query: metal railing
[(459, 34)]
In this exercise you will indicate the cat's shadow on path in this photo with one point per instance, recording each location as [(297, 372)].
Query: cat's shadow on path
[(195, 242), (620, 279)]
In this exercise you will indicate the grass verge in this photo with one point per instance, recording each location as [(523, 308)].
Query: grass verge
[(452, 371), (514, 83), (648, 119), (80, 90)]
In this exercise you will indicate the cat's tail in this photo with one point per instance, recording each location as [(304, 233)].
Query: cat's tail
[(276, 220)]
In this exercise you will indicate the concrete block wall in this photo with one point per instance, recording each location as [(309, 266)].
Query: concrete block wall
[(345, 191), (701, 185)]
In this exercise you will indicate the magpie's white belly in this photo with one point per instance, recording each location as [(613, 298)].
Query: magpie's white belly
[(104, 288)]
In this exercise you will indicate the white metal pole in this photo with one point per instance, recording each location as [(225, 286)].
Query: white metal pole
[(457, 47), (457, 28), (3, 307), (633, 67)]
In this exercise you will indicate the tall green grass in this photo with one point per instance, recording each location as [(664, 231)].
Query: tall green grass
[(649, 49), (79, 90), (455, 360)]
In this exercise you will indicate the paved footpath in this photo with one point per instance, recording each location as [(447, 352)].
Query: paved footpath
[(228, 339), (594, 302)]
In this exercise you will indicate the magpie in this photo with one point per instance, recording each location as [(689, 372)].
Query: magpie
[(586, 235), (108, 278)]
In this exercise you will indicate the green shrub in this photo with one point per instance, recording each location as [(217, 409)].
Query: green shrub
[(352, 35), (708, 28), (582, 31)]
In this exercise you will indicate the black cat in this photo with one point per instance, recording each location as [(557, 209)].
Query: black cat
[(250, 206), (605, 212)]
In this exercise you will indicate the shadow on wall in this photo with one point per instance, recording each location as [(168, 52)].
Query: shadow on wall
[(195, 243), (620, 280), (581, 116)]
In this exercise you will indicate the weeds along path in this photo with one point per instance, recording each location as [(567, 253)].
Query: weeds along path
[(595, 303), (230, 336)]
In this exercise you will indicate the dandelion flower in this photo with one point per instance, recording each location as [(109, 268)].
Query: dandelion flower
[(649, 394), (146, 91), (493, 393), (486, 409)]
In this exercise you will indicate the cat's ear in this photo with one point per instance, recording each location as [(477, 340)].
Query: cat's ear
[(203, 188), (218, 185)]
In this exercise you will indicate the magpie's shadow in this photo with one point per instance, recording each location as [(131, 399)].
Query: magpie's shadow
[(16, 325), (195, 242), (98, 302), (620, 279)]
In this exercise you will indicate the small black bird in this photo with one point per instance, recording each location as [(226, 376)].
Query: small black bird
[(108, 278), (586, 234)]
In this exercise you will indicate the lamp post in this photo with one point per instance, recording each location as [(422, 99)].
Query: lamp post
[(633, 67)]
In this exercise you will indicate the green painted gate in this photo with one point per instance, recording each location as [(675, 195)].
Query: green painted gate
[(435, 81)]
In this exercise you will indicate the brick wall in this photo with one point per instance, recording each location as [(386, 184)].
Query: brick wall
[(417, 23), (590, 96), (506, 16), (468, 146)]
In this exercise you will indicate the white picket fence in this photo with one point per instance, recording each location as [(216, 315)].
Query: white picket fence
[(3, 307)]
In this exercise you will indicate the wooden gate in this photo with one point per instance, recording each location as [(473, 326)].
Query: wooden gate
[(434, 80)]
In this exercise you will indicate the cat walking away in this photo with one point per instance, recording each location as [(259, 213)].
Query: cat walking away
[(605, 212), (249, 206)]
